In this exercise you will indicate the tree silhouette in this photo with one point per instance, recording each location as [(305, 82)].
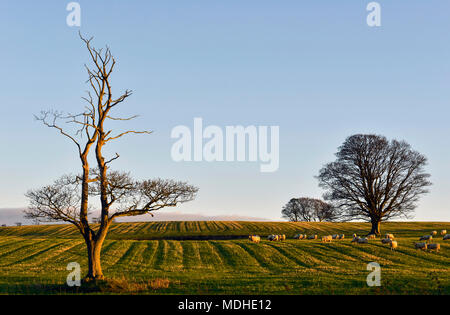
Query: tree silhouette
[(374, 179), (308, 209)]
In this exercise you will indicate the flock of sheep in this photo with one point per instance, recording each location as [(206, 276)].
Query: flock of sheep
[(388, 239)]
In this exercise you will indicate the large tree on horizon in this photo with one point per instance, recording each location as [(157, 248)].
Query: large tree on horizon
[(118, 194), (374, 179)]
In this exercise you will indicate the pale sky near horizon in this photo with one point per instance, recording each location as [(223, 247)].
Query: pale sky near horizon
[(313, 68)]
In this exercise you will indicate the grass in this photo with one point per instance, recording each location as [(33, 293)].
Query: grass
[(213, 258)]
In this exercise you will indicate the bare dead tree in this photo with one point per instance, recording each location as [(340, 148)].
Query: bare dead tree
[(374, 179), (308, 209), (67, 199)]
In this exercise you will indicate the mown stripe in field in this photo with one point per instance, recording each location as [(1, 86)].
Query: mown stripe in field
[(37, 252), (268, 258), (236, 257), (285, 251), (25, 245)]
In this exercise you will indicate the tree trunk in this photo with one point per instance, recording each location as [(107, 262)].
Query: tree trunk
[(94, 264), (375, 227)]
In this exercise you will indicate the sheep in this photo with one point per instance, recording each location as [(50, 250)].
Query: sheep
[(389, 236), (446, 237), (300, 236), (371, 236), (354, 235), (312, 237), (360, 240), (385, 240), (271, 237), (393, 244), (341, 237), (434, 233), (282, 237), (443, 232), (435, 247), (426, 238), (255, 238), (363, 240), (327, 238), (335, 236), (422, 246)]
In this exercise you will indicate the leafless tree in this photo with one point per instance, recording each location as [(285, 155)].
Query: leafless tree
[(67, 199), (374, 179), (308, 209)]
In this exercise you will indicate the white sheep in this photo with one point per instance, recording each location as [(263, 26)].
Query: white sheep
[(446, 237), (443, 232), (393, 244), (282, 237), (422, 246), (434, 233), (426, 238), (435, 247), (312, 237), (363, 240), (371, 236), (327, 238), (255, 238), (341, 237)]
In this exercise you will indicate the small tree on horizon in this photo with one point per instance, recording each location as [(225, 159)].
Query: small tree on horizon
[(374, 179), (119, 195), (308, 209)]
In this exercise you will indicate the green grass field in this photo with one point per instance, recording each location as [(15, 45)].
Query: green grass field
[(197, 258)]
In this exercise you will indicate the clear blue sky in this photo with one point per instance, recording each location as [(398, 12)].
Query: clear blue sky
[(312, 67)]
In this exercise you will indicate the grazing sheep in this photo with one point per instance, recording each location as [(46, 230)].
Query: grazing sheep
[(255, 238), (422, 246), (363, 240), (371, 236), (390, 236), (327, 238), (312, 237), (271, 237), (435, 247), (341, 237), (282, 237), (443, 232), (360, 240), (354, 235), (434, 233), (298, 236), (335, 236), (426, 238), (446, 237), (385, 240), (393, 244)]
